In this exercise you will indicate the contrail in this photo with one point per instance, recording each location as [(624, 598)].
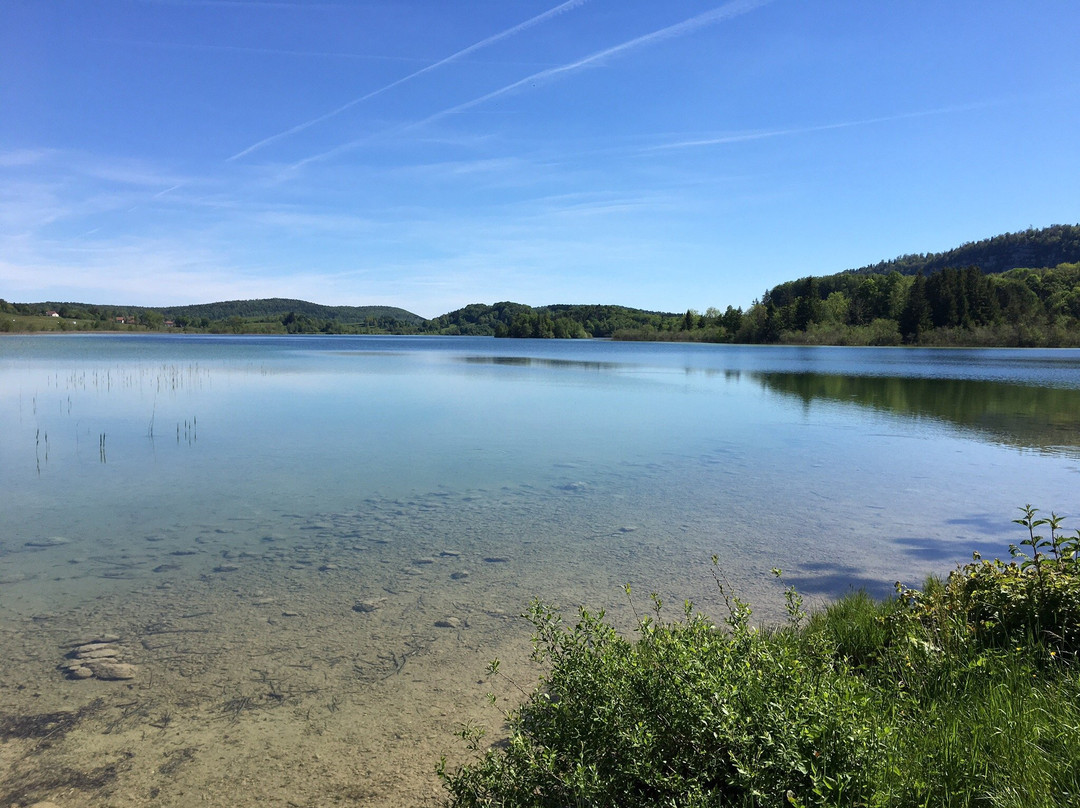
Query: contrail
[(483, 43), (712, 17), (742, 137)]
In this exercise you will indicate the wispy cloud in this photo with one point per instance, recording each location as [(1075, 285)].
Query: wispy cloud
[(200, 46), (17, 158), (483, 43), (764, 134)]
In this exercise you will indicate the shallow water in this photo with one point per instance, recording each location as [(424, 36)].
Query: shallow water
[(221, 503)]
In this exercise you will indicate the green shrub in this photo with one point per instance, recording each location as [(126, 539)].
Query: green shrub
[(688, 715), (1031, 601), (962, 694)]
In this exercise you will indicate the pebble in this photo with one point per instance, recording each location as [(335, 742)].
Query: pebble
[(97, 656), (423, 561), (450, 554), (226, 568), (109, 652), (367, 606), (496, 559), (51, 541), (111, 670), (459, 576), (448, 622), (94, 639)]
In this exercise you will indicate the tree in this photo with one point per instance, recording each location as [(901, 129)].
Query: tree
[(915, 318)]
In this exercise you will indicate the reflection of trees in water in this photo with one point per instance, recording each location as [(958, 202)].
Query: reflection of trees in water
[(1017, 415)]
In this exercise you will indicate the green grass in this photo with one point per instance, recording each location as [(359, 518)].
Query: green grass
[(964, 694)]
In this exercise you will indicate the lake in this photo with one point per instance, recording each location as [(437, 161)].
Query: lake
[(310, 547)]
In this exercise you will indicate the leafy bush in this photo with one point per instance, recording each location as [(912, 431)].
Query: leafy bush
[(688, 715), (1031, 601), (961, 694)]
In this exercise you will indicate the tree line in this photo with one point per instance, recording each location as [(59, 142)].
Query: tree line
[(1021, 307), (959, 297)]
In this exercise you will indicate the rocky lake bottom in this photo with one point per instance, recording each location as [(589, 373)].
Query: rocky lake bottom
[(329, 659)]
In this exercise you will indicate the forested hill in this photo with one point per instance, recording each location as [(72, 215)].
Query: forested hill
[(561, 321), (1043, 247), (276, 307)]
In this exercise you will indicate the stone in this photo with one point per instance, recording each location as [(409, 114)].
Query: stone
[(574, 486), (459, 576), (80, 672), (421, 561), (448, 622), (368, 606), (109, 652), (94, 639), (226, 568), (111, 670), (51, 541), (496, 559)]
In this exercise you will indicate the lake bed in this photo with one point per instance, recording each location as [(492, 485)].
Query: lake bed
[(311, 547)]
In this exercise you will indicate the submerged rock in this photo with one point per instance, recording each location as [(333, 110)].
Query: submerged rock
[(111, 670), (51, 541), (368, 606), (97, 656), (104, 638), (96, 651)]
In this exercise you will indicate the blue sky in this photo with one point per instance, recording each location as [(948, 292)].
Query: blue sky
[(428, 154)]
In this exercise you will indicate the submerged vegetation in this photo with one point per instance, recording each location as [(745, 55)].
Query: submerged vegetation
[(959, 694)]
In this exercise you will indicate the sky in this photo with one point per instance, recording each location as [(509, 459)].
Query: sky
[(428, 154)]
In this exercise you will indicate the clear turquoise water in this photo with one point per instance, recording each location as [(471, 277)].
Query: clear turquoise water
[(585, 464)]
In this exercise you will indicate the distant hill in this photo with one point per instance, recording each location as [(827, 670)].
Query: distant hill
[(1031, 248), (276, 307), (508, 319)]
